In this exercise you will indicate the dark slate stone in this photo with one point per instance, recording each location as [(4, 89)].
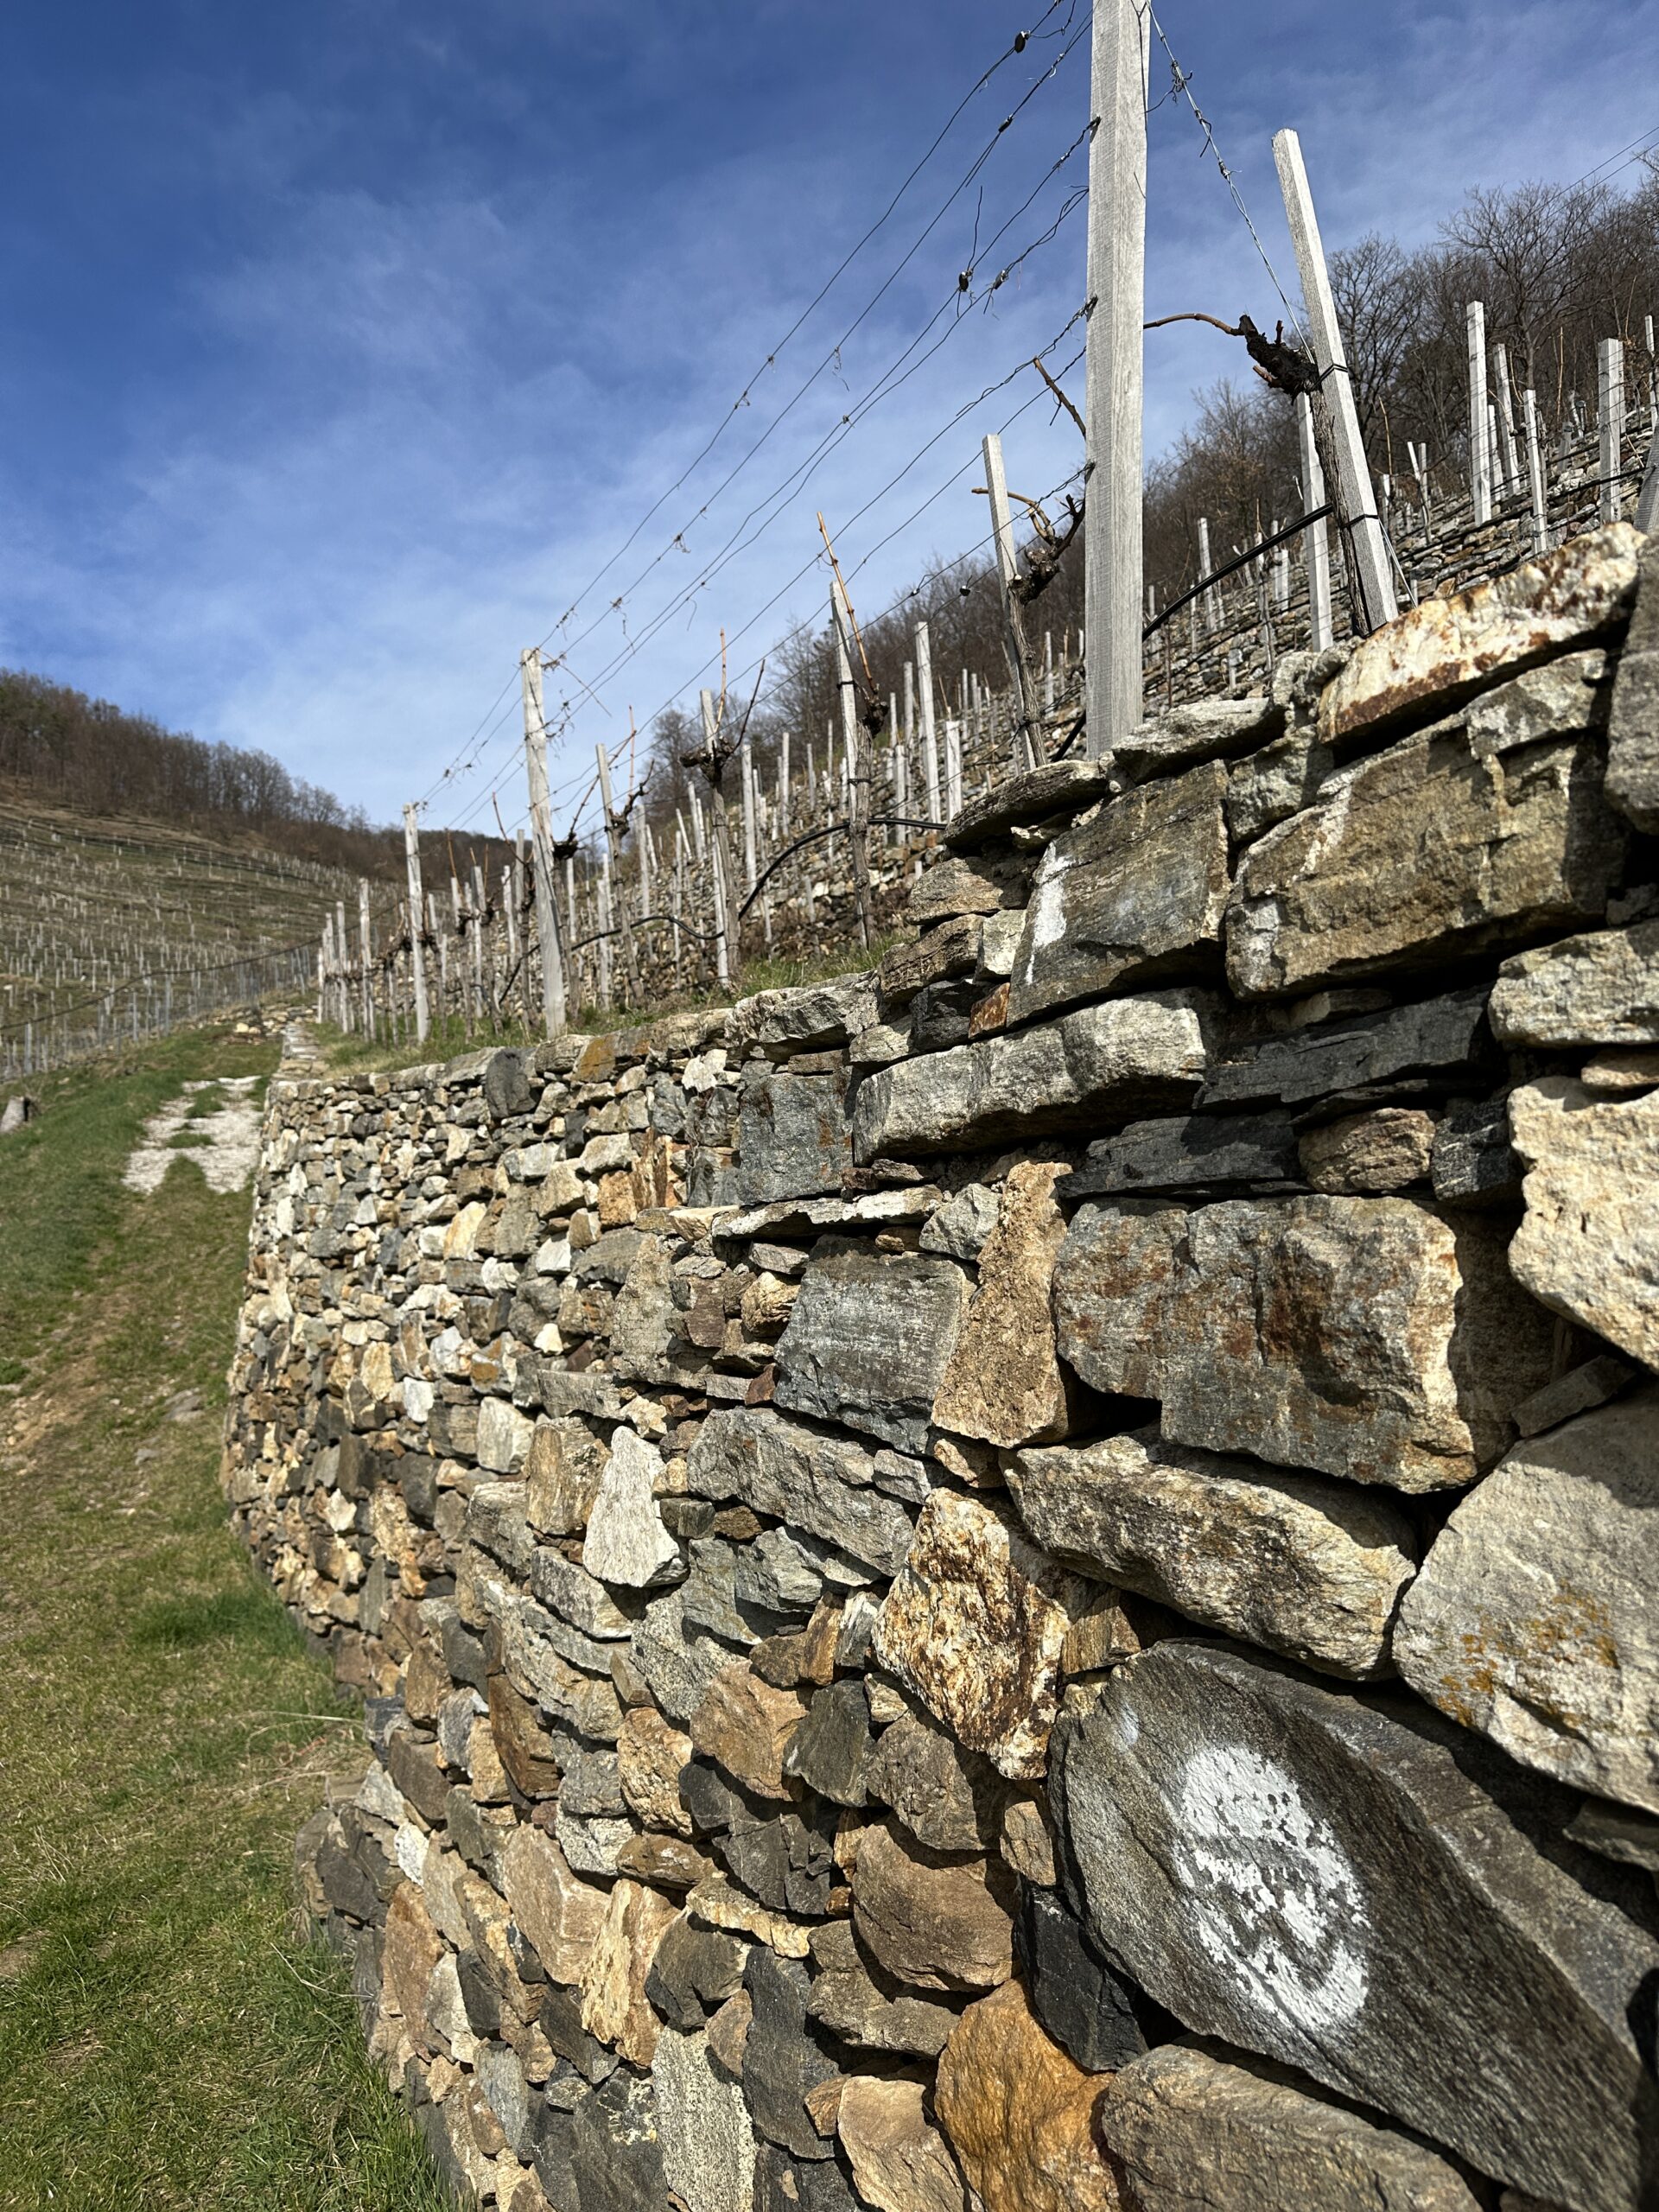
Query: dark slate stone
[(366, 1976), (414, 1767), (939, 1014), (793, 1135), (714, 1803), (463, 1652), (1472, 1162), (1064, 787), (781, 2059), (347, 1887), (360, 1466), (1074, 1993), (1353, 1885), (561, 2018), (869, 1337), (692, 1971), (1432, 1040), (783, 2185), (553, 2139), (428, 2118), (1196, 1153), (616, 2160), (474, 1837), (830, 1749), (478, 1996), (509, 1085), (417, 1478), (608, 1258)]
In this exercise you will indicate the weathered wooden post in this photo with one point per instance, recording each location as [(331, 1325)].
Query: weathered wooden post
[(366, 943), (1610, 409), (1506, 420), (614, 895), (1535, 471), (856, 756), (1020, 681), (541, 840), (1116, 289), (1369, 553), (1316, 544), (1480, 451)]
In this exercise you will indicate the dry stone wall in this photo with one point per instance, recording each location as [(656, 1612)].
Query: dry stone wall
[(1032, 1580)]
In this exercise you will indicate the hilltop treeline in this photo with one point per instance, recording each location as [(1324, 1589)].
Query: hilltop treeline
[(1558, 267), (87, 754)]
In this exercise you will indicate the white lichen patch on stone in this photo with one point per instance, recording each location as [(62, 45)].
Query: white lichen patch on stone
[(227, 1137)]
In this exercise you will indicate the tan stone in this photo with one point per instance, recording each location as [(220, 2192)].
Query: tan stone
[(667, 1862), (1616, 1071), (1599, 988), (524, 1746), (1028, 1844), (1003, 1383), (561, 1915), (729, 2033), (650, 1753), (719, 1903), (411, 1949), (563, 1469), (1445, 650), (614, 2008), (1020, 2113), (618, 1201), (933, 1923), (1589, 1243), (1372, 1154), (1441, 847), (901, 2162), (744, 1724), (975, 1625)]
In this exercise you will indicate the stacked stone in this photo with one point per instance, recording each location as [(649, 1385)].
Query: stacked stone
[(1028, 1581)]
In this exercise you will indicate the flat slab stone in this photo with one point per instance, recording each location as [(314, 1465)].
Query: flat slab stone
[(1600, 989), (1535, 1617), (1588, 1244), (869, 1338), (1309, 1874), (1436, 1038), (1199, 730), (933, 1923), (1446, 649), (1442, 846), (791, 1471), (806, 1217), (1130, 896), (1364, 1338), (901, 2162), (975, 1624), (953, 886), (1306, 1567), (949, 1799), (1203, 1154), (848, 2000), (1061, 787), (1003, 1383), (1018, 2112), (1200, 2128), (1131, 1055)]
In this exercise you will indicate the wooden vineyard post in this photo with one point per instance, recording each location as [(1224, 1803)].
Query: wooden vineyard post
[(930, 738), (366, 943), (1116, 291), (614, 893), (1020, 681), (541, 838), (1610, 414), (856, 751), (1480, 450), (1317, 545), (1506, 421), (1535, 471), (1369, 553)]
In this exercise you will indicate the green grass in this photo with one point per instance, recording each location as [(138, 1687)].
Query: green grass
[(167, 2037)]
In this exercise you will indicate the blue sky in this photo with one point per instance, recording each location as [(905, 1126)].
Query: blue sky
[(345, 339)]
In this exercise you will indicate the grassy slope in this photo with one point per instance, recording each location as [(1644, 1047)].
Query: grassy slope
[(165, 2039)]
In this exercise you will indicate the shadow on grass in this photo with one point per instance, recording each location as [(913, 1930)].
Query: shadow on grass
[(183, 1623)]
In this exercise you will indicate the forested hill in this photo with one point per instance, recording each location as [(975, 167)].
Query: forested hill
[(94, 758)]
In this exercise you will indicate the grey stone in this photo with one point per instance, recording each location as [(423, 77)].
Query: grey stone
[(1195, 2127), (830, 1749), (508, 1087), (877, 1210), (1304, 1873), (1592, 1384), (960, 1227), (949, 1799), (626, 1542), (1588, 1244), (615, 2153), (1364, 1338), (507, 2094), (590, 1847), (1440, 1037), (782, 2063), (1131, 1055), (1633, 724), (818, 1481), (1199, 730), (1615, 1831), (1533, 1619), (953, 886), (676, 1664), (775, 1574), (643, 1334), (590, 1784), (708, 2146), (1195, 1153), (1131, 895), (1453, 842), (811, 1018), (560, 2018), (847, 1998), (693, 1970), (1074, 1994), (869, 1338), (1600, 989), (1276, 783), (1037, 794), (783, 2185), (793, 1135), (1471, 1162), (708, 1596), (1306, 1567), (576, 1596)]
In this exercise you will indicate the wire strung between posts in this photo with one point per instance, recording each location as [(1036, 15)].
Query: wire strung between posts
[(1242, 561)]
